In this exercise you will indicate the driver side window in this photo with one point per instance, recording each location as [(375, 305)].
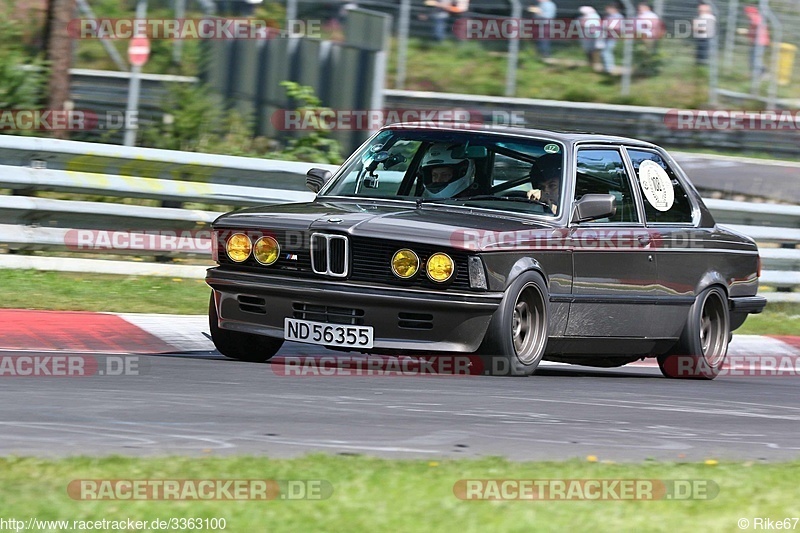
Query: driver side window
[(602, 171)]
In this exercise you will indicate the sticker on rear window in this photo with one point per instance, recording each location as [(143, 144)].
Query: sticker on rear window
[(656, 185)]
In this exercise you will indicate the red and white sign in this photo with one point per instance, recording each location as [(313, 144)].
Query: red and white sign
[(138, 51)]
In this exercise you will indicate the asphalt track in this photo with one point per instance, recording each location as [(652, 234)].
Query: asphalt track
[(202, 404), (732, 176)]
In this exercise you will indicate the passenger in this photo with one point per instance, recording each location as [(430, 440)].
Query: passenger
[(546, 180)]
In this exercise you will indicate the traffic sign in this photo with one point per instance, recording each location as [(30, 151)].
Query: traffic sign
[(138, 51)]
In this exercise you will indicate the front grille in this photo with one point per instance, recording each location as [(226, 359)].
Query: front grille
[(370, 260), (329, 255), (328, 314)]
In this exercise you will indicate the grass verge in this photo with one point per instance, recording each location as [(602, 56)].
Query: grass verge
[(393, 495), (65, 291), (62, 291)]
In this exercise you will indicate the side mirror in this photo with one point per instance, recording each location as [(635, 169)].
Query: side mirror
[(594, 206), (316, 178)]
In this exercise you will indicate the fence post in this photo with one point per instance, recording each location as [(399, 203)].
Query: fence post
[(513, 52), (713, 59), (730, 32), (402, 43), (777, 37), (627, 55)]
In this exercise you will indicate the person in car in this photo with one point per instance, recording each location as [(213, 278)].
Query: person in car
[(546, 180), (445, 176)]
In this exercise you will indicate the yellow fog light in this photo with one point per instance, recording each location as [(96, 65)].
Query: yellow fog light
[(440, 267), (238, 247), (405, 263), (266, 250)]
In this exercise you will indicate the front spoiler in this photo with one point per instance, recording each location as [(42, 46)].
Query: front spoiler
[(460, 319)]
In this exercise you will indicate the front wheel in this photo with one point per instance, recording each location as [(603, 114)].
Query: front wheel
[(241, 346), (703, 345), (517, 336)]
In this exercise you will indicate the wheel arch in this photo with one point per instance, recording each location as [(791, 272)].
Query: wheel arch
[(523, 265), (710, 279)]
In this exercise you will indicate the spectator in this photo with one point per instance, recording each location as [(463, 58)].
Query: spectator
[(611, 29), (546, 11), (441, 15), (649, 27), (758, 33), (590, 23), (703, 29)]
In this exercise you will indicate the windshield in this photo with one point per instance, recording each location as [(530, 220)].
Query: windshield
[(466, 168)]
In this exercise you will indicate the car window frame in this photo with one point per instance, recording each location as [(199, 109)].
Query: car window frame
[(682, 180), (626, 163)]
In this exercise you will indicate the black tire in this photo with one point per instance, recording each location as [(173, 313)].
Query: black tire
[(240, 346), (700, 353), (517, 336)]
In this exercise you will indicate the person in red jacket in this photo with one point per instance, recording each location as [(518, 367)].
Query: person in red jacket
[(758, 33)]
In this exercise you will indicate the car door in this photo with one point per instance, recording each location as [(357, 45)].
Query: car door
[(682, 252), (614, 264)]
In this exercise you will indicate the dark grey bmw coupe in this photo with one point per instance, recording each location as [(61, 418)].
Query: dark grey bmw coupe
[(516, 245)]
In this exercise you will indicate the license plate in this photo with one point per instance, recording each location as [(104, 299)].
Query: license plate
[(327, 334)]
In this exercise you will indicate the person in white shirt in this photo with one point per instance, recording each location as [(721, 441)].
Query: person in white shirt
[(704, 27)]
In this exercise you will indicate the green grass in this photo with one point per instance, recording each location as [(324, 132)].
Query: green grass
[(61, 291), (776, 319), (480, 68), (392, 495)]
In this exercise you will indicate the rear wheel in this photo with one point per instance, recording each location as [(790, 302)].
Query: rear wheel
[(517, 335), (703, 346), (241, 346)]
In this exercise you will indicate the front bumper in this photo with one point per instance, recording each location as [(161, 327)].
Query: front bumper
[(458, 320)]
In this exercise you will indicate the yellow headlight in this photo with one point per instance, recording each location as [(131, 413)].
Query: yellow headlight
[(405, 263), (238, 247), (266, 250), (440, 267)]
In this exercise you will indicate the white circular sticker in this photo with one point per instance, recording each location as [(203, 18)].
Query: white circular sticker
[(656, 185)]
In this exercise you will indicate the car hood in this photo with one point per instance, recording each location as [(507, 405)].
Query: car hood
[(434, 224)]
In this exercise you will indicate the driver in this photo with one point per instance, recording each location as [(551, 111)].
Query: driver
[(547, 182), (444, 176)]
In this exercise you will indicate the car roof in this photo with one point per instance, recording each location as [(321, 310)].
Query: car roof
[(567, 137)]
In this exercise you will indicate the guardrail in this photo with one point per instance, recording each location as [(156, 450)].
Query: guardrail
[(179, 181), (646, 123)]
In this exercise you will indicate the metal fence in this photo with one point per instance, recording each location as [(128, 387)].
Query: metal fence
[(729, 76), (31, 224)]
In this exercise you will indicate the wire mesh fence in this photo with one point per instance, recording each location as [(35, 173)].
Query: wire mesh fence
[(730, 62)]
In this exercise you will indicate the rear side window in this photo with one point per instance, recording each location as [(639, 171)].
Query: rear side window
[(665, 200), (602, 171)]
